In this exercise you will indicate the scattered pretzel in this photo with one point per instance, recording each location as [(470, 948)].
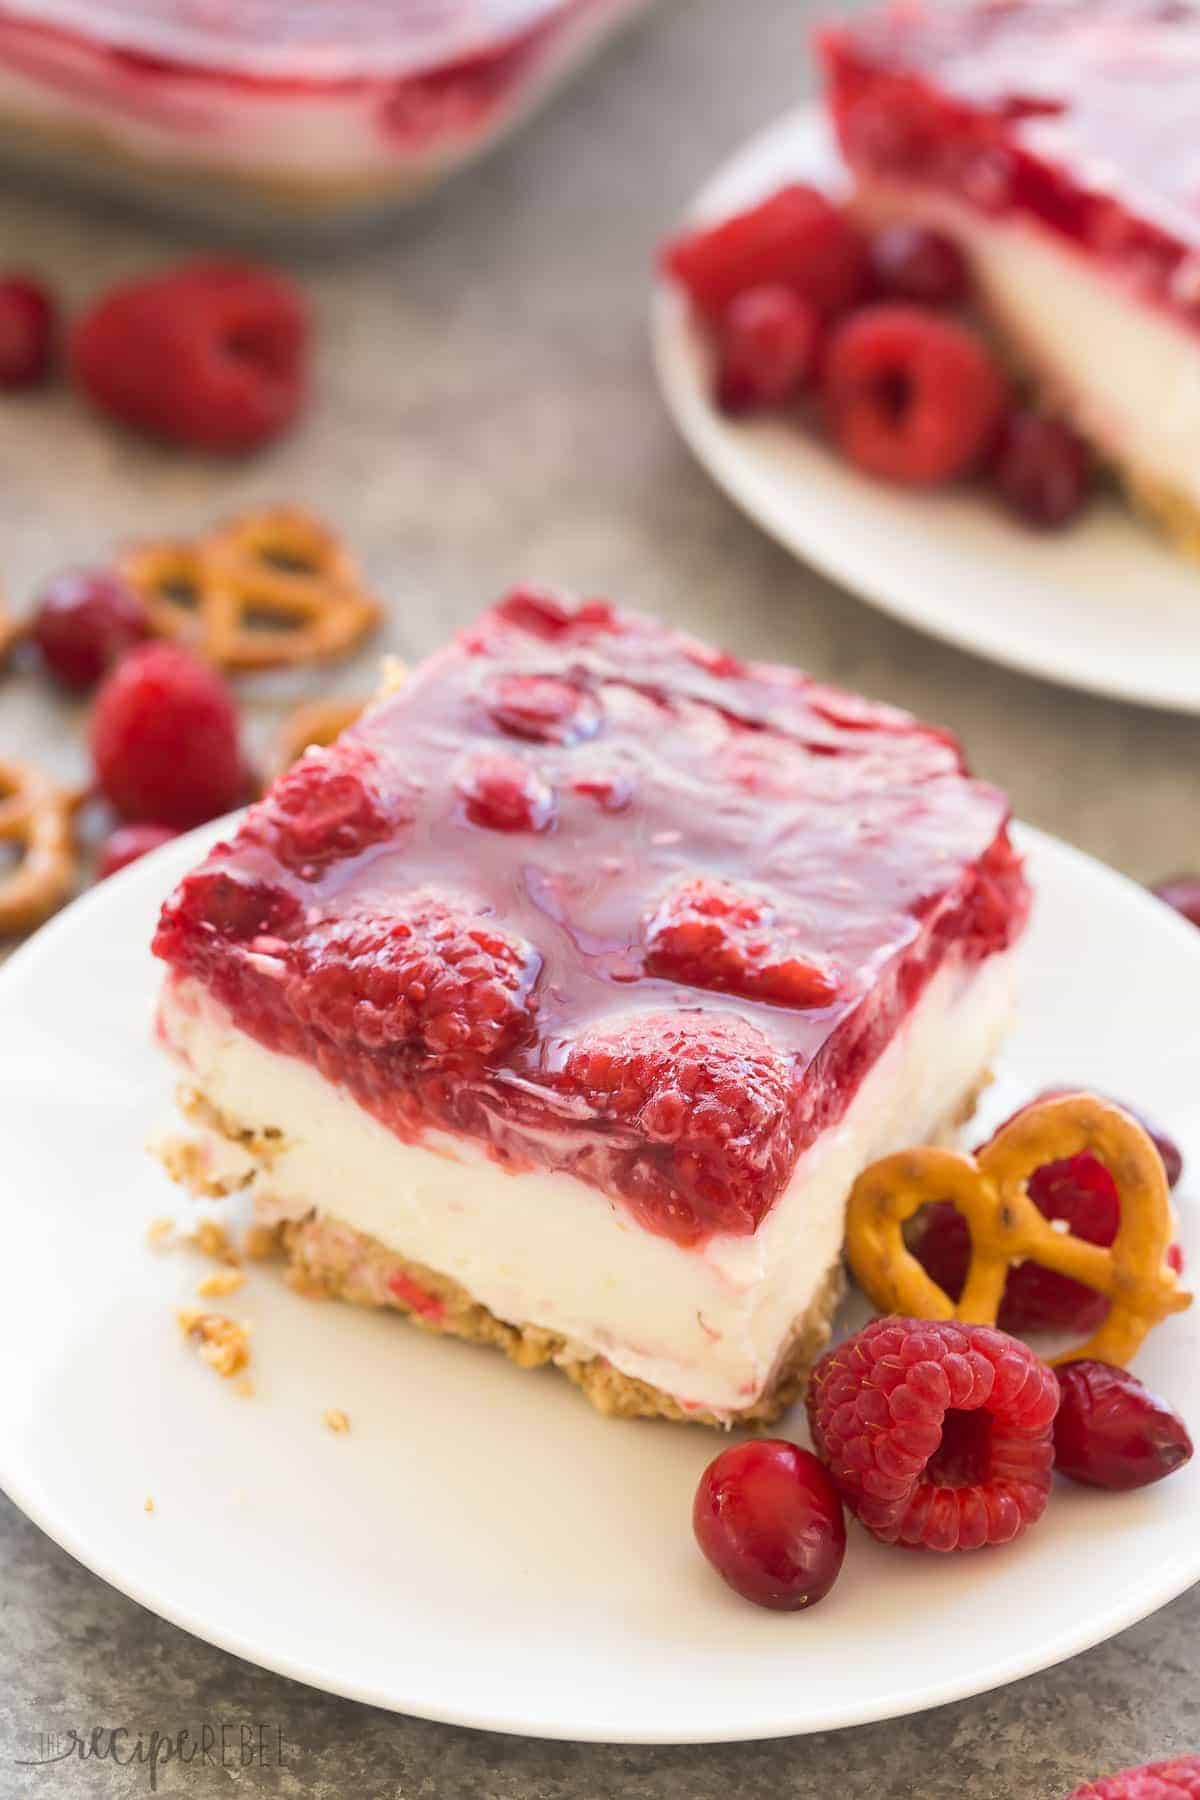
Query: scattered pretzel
[(11, 632), (317, 722), (36, 814), (270, 588), (989, 1190)]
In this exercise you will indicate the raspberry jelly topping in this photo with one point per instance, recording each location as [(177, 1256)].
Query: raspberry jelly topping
[(605, 900), (1077, 113)]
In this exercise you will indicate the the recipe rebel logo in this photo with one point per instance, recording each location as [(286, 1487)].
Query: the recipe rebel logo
[(231, 1744)]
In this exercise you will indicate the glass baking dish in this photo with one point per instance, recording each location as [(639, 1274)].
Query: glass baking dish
[(289, 112)]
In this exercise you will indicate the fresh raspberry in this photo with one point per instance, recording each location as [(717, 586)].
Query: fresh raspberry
[(1182, 892), (914, 263), (502, 793), (83, 621), (1112, 1432), (27, 328), (325, 809), (127, 843), (768, 1518), (210, 355), (214, 907), (165, 739), (795, 239), (938, 1435), (414, 970), (710, 934), (1040, 469), (1176, 1779), (767, 349), (700, 1115), (545, 709), (547, 615), (911, 396)]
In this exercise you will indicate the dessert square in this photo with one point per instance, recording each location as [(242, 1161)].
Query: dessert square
[(1050, 138), (560, 1002)]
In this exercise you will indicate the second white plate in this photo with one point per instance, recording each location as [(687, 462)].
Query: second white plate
[(1104, 606)]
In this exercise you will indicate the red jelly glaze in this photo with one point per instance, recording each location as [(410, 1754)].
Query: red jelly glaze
[(768, 1518), (538, 990), (1074, 115)]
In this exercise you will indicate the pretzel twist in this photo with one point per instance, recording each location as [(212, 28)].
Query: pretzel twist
[(36, 814), (1006, 1227), (271, 588)]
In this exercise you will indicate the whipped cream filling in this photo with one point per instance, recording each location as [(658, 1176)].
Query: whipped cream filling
[(541, 1247), (1124, 370)]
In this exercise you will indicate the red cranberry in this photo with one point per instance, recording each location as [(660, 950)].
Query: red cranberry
[(1041, 470), (911, 396), (1183, 893), (27, 320), (795, 238), (165, 739), (768, 344), (1112, 1432), (911, 262), (83, 621), (768, 1518), (129, 842)]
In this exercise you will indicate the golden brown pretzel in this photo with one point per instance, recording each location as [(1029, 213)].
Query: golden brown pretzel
[(11, 632), (36, 814), (316, 722), (1006, 1227), (272, 587)]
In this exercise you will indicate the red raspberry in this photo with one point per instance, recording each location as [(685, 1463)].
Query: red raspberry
[(216, 906), (83, 621), (938, 1435), (323, 810), (768, 1518), (767, 349), (165, 739), (701, 1111), (795, 239), (545, 709), (924, 267), (211, 355), (414, 969), (502, 793), (129, 842), (710, 934), (1041, 470), (911, 396), (27, 326), (1176, 1779), (547, 615), (1183, 893), (1112, 1432)]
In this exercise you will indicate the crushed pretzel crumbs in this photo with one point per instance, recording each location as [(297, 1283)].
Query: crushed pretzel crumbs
[(224, 1344), (261, 1241), (220, 1283), (304, 1284), (336, 1419), (158, 1232), (147, 1504), (189, 1163), (211, 1239)]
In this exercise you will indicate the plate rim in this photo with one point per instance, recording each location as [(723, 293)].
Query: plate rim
[(837, 557), (26, 1489)]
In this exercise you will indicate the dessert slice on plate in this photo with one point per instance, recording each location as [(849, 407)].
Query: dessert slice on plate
[(1051, 139), (561, 1001)]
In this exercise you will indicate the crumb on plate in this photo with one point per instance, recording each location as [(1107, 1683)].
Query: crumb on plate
[(219, 1283), (224, 1343), (336, 1419)]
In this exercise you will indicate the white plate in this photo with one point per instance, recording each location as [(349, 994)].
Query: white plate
[(1102, 606), (483, 1548)]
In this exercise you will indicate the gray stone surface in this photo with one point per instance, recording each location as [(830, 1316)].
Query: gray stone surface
[(484, 410)]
